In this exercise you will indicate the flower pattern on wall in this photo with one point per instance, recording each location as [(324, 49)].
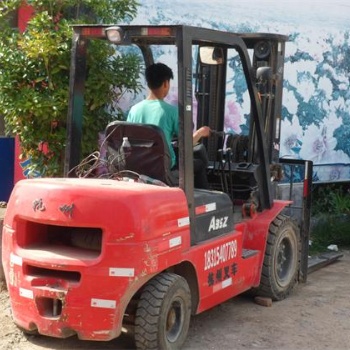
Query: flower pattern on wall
[(316, 94)]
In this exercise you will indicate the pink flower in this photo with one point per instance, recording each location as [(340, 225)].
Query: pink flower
[(318, 144), (332, 173), (232, 118)]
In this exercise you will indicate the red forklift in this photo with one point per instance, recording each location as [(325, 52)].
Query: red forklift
[(93, 256)]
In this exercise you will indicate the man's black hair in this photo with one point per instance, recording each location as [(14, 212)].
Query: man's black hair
[(157, 74)]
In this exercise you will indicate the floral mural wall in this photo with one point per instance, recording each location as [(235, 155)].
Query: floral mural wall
[(316, 94)]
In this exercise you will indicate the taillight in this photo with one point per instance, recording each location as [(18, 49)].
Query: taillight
[(94, 32), (156, 31)]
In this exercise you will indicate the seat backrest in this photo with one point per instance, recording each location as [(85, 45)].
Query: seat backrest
[(149, 150)]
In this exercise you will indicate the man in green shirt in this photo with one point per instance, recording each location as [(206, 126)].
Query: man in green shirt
[(154, 110)]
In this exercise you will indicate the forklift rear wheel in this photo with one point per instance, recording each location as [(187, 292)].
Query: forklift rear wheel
[(163, 313), (282, 259)]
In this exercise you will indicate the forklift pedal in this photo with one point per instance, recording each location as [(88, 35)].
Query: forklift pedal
[(247, 253)]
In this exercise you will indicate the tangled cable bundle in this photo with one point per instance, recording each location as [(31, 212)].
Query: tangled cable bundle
[(87, 166), (95, 165)]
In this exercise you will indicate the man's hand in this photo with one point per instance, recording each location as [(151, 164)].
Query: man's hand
[(204, 131)]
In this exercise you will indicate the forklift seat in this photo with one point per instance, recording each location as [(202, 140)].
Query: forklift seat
[(149, 155)]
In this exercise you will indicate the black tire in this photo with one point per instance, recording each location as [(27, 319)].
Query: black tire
[(282, 259), (163, 313)]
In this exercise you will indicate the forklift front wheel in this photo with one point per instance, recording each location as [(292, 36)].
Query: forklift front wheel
[(163, 313), (282, 259)]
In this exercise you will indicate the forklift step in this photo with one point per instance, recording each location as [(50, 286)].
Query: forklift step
[(248, 253)]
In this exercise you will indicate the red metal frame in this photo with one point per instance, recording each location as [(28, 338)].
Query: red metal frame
[(25, 13), (133, 251)]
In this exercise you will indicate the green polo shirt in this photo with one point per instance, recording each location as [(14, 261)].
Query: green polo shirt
[(160, 113)]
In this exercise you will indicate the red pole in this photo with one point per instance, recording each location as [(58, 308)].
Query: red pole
[(25, 13)]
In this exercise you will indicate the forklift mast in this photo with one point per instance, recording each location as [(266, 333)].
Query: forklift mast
[(267, 52)]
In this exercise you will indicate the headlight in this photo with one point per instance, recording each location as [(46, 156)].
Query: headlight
[(114, 34)]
